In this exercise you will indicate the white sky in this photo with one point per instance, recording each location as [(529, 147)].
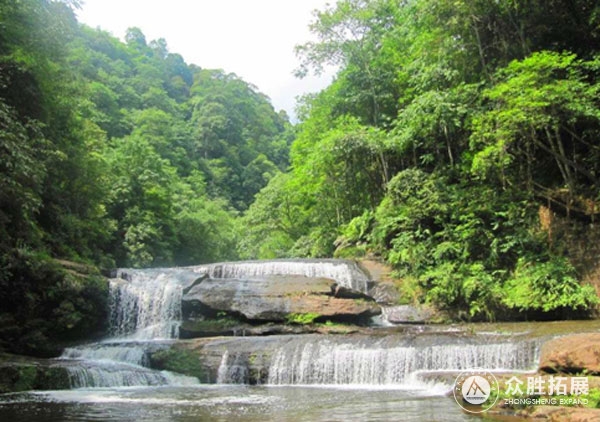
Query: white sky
[(254, 39)]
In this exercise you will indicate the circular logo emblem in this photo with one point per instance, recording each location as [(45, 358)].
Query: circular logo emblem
[(476, 391)]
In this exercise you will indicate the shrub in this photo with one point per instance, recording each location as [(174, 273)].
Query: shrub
[(547, 286)]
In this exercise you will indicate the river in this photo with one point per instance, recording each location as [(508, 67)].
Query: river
[(387, 376), (231, 403)]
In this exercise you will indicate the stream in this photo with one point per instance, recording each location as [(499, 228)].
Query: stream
[(389, 375)]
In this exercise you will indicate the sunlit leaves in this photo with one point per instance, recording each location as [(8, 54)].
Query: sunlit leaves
[(539, 105)]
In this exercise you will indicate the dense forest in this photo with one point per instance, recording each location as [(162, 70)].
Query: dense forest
[(114, 154), (458, 142)]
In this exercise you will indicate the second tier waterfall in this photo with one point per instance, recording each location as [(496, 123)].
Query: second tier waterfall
[(145, 313)]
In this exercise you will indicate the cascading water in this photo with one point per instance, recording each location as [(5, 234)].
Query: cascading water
[(394, 360), (345, 273), (324, 362), (133, 354), (233, 369), (145, 307), (409, 366)]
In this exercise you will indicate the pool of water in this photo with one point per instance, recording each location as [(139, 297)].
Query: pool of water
[(231, 403)]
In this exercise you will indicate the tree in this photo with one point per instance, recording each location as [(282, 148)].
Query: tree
[(546, 111)]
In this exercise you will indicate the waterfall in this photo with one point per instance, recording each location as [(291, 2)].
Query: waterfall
[(145, 306), (133, 354), (112, 374), (325, 362), (233, 370), (392, 360), (345, 273)]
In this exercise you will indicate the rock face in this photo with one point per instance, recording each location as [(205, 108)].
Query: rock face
[(408, 314), (382, 286), (572, 354), (275, 298)]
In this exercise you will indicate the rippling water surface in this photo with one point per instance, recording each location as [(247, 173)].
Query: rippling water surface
[(230, 403)]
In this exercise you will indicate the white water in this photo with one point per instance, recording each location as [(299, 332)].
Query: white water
[(232, 370), (132, 354), (329, 363), (345, 273), (144, 307), (90, 374)]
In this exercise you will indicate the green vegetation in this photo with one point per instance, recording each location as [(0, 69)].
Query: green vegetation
[(182, 361), (24, 376), (449, 129), (214, 325), (114, 154), (594, 398), (301, 319)]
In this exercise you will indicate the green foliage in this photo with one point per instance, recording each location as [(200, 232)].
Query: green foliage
[(594, 398), (547, 286), (45, 304), (273, 223), (301, 319), (542, 103), (447, 126), (117, 154)]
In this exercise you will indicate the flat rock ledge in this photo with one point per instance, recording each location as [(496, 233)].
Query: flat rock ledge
[(277, 299), (572, 354)]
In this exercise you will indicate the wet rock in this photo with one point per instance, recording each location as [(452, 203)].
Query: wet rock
[(343, 292), (408, 314), (194, 283), (382, 287), (32, 374), (177, 360), (205, 327), (572, 354), (384, 293), (275, 298)]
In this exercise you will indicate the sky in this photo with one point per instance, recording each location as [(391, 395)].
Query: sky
[(254, 39)]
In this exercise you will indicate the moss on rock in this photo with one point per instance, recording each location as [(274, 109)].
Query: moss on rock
[(22, 376), (181, 361)]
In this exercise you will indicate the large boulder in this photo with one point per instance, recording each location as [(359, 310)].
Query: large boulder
[(276, 298), (572, 354)]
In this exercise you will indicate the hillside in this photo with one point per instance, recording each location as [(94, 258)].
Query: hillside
[(115, 154), (458, 143)]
